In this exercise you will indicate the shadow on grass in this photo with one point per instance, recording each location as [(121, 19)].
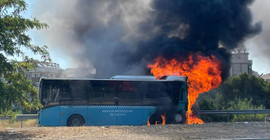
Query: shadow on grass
[(12, 134)]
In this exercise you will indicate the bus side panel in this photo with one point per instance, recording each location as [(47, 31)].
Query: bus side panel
[(49, 116), (67, 111), (129, 115), (147, 112), (101, 115)]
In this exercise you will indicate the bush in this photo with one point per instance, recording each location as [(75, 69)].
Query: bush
[(243, 92), (245, 104)]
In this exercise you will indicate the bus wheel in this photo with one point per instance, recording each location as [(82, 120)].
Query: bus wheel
[(155, 119), (180, 118), (75, 120)]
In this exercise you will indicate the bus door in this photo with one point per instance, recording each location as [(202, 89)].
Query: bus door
[(182, 103), (129, 104)]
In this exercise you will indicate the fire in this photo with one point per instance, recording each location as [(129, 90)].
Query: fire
[(163, 117), (203, 72)]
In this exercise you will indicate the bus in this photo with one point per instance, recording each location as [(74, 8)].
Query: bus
[(121, 100)]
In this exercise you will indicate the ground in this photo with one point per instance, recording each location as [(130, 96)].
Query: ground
[(205, 131)]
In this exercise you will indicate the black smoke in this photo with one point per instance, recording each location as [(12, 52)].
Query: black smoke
[(123, 36), (102, 27), (191, 26)]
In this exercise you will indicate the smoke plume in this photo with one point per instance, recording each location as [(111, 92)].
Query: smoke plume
[(258, 46), (211, 27), (123, 36)]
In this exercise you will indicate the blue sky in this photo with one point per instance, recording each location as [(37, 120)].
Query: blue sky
[(38, 39)]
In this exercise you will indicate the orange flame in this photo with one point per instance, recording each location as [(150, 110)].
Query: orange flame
[(163, 119), (156, 122), (203, 72)]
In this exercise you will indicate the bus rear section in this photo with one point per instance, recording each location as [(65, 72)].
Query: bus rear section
[(69, 102)]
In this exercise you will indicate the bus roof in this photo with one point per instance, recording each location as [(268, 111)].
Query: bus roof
[(150, 78), (127, 78), (133, 77)]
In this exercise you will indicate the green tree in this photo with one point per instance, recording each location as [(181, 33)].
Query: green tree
[(241, 92), (212, 100), (15, 89), (246, 86)]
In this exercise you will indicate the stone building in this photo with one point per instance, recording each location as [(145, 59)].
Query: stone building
[(77, 73), (240, 63), (44, 69)]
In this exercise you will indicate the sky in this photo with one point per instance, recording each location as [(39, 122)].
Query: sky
[(260, 57), (38, 38), (258, 46)]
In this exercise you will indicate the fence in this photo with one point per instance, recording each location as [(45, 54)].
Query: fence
[(229, 112), (22, 117)]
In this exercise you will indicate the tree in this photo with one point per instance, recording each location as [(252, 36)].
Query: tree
[(247, 86), (15, 89), (241, 92)]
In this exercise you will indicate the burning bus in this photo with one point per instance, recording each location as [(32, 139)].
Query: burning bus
[(121, 100)]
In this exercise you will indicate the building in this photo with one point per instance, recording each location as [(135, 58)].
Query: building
[(52, 70), (44, 69), (78, 73), (266, 77), (240, 63)]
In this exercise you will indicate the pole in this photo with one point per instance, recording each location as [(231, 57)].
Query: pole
[(21, 123)]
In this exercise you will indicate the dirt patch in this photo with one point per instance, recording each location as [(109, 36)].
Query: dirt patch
[(205, 131)]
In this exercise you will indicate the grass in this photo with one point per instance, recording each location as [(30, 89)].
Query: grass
[(17, 124)]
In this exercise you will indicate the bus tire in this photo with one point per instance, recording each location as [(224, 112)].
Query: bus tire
[(155, 118), (180, 118), (75, 120)]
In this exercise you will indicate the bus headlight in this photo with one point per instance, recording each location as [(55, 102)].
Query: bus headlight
[(178, 117)]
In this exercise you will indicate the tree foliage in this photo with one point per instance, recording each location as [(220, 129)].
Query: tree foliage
[(247, 86), (241, 92), (245, 104), (15, 89)]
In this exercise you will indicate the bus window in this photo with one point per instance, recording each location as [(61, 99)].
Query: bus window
[(72, 92), (78, 95), (150, 92), (100, 93), (182, 94), (128, 94), (65, 96), (51, 93)]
